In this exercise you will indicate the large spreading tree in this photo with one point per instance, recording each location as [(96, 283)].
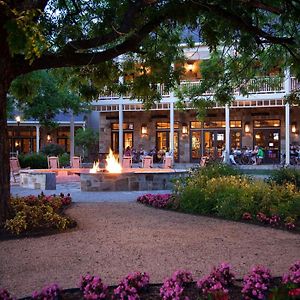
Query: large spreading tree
[(106, 37)]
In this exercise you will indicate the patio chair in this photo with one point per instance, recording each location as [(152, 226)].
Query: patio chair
[(127, 162), (203, 161), (167, 162), (53, 162), (14, 167), (147, 162), (75, 162)]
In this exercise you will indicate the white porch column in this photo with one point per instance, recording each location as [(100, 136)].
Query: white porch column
[(37, 138), (120, 132), (287, 134), (72, 130), (227, 133), (171, 146), (287, 89)]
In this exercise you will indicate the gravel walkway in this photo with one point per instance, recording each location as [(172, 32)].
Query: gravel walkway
[(113, 239)]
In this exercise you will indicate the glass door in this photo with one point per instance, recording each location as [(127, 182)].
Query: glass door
[(269, 141), (214, 143), (127, 141), (195, 145), (163, 142)]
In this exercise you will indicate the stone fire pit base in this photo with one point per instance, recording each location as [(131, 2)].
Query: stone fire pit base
[(130, 180)]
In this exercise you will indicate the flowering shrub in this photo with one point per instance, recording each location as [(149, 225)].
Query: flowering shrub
[(293, 276), (93, 287), (218, 282), (155, 200), (42, 212), (257, 283), (50, 292), (4, 295), (246, 216), (214, 286), (131, 285), (173, 287)]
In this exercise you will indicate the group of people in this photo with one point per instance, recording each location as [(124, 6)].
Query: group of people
[(256, 155), (137, 156)]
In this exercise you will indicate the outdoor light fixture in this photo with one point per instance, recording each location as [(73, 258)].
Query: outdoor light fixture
[(294, 127), (48, 138), (18, 120), (184, 129), (247, 127), (190, 67), (144, 130)]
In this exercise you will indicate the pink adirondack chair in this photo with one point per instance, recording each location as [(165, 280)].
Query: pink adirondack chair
[(14, 167), (53, 162), (147, 162), (75, 162), (167, 162), (127, 162)]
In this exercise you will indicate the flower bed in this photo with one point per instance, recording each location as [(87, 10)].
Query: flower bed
[(219, 191), (35, 215), (220, 284)]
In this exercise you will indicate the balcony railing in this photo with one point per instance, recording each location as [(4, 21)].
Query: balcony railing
[(257, 85)]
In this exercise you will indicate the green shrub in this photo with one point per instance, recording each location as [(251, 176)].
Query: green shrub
[(64, 160), (53, 149), (286, 175), (33, 161), (231, 196)]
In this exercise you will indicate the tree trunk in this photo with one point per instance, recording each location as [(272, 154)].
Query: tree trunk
[(4, 156)]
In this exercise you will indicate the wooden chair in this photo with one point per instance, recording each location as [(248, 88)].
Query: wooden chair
[(53, 162), (147, 162), (127, 162), (167, 162), (14, 167), (75, 162)]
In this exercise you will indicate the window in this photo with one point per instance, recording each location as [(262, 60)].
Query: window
[(214, 124), (266, 123), (126, 126), (195, 125), (166, 125), (236, 124)]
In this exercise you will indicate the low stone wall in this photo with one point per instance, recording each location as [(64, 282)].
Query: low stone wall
[(129, 181), (38, 180)]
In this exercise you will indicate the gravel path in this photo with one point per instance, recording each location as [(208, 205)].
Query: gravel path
[(113, 239)]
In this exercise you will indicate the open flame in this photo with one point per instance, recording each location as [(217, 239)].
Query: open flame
[(95, 168), (112, 164)]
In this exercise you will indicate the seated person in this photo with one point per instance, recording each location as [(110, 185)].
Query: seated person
[(127, 151)]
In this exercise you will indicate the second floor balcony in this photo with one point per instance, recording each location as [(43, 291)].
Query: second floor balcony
[(255, 87)]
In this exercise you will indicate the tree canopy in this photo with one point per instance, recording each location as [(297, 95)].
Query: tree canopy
[(108, 38)]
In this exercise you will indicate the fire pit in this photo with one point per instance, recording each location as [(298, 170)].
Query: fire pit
[(114, 178)]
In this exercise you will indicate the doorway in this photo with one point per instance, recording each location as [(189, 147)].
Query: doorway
[(213, 143), (163, 142), (269, 141), (127, 141)]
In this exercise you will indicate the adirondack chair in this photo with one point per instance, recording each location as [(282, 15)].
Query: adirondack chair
[(147, 162), (14, 167), (167, 162), (75, 162), (127, 162), (53, 162)]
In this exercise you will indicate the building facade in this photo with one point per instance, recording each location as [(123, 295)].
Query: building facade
[(262, 118)]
